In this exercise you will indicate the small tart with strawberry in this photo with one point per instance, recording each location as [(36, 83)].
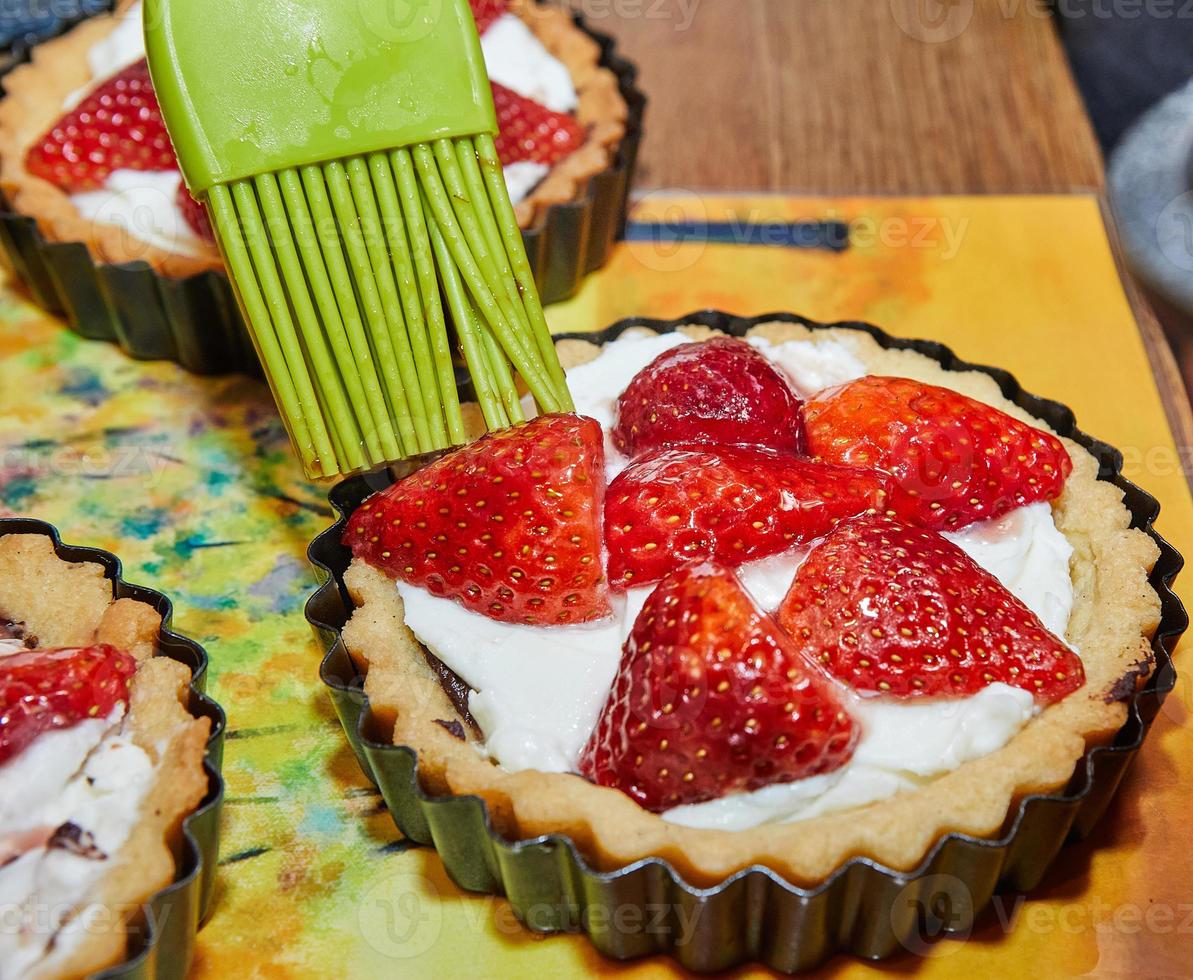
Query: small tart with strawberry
[(84, 151), (100, 762), (753, 585)]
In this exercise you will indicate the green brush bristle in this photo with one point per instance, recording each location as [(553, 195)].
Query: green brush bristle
[(339, 269), (347, 161)]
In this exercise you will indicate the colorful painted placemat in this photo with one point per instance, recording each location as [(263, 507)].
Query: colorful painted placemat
[(191, 482)]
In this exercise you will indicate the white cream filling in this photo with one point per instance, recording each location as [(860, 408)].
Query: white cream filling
[(143, 204), (812, 367), (1027, 553), (113, 53), (523, 177), (517, 59), (903, 745), (91, 775), (532, 688), (538, 691)]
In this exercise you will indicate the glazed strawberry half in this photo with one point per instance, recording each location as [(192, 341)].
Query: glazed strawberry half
[(118, 126), (47, 690), (728, 504), (898, 610), (720, 391), (953, 460), (508, 526), (530, 132), (712, 698)]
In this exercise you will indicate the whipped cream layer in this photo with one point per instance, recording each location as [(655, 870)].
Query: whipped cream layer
[(144, 204), (92, 777), (537, 691), (903, 746), (517, 59)]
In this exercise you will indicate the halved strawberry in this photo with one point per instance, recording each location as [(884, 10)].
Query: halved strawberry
[(898, 610), (508, 526), (195, 214), (118, 126), (954, 460), (721, 391), (712, 698), (487, 11), (729, 504), (45, 690), (532, 132)]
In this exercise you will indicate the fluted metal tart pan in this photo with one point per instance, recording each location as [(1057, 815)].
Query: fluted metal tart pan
[(646, 907), (161, 940)]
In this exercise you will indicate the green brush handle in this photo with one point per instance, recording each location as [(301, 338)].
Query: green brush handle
[(257, 86)]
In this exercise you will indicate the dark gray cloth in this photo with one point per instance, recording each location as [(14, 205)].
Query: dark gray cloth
[(1126, 54)]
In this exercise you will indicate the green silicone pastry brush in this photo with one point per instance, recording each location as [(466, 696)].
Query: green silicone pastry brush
[(344, 149)]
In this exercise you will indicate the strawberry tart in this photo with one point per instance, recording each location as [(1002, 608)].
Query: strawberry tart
[(754, 585), (84, 151), (100, 761)]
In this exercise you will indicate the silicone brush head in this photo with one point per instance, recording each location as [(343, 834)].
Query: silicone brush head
[(346, 157)]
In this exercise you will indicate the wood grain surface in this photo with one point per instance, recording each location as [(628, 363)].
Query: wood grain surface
[(867, 97), (844, 96)]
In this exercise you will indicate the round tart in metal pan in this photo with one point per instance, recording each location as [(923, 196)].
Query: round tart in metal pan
[(161, 940), (863, 908), (195, 322)]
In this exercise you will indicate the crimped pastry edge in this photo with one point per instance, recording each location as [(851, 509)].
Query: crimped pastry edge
[(1115, 612), (35, 91), (600, 107), (159, 722)]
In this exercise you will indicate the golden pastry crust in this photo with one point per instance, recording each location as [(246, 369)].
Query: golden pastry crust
[(600, 108), (33, 583), (1115, 613), (36, 91), (57, 603)]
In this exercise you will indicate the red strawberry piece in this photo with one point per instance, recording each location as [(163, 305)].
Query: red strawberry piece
[(712, 698), (898, 610), (45, 690), (722, 391), (529, 131), (508, 526), (728, 504), (954, 460), (487, 11), (195, 214), (118, 126)]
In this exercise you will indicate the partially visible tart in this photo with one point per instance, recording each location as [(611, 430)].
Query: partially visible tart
[(100, 762), (550, 76), (1106, 617)]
